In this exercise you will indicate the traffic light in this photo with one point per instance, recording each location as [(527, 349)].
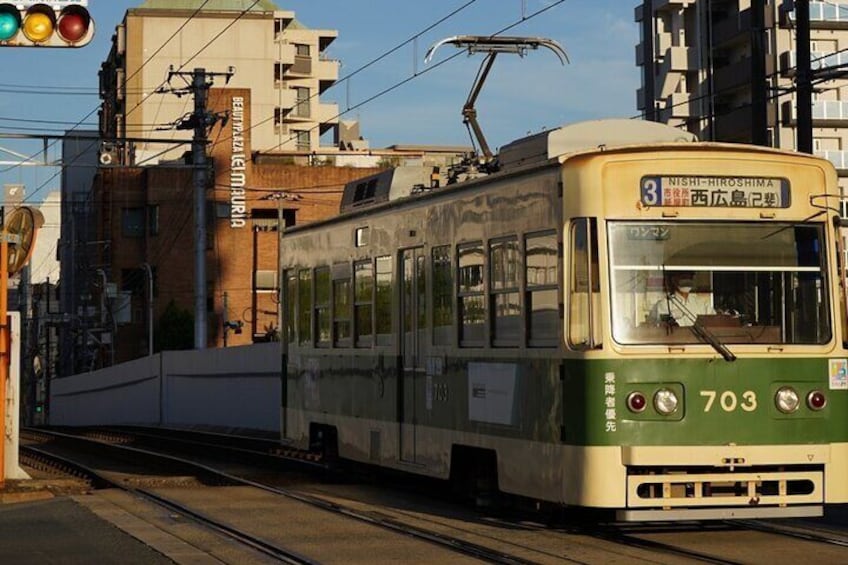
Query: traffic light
[(56, 23)]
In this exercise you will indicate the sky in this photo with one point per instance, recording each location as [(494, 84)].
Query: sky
[(522, 94)]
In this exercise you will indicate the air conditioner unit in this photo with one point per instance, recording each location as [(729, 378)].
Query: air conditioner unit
[(108, 154)]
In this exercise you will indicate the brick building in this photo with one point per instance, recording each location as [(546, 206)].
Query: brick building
[(146, 216)]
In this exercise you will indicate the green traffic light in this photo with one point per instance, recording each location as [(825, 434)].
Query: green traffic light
[(9, 25)]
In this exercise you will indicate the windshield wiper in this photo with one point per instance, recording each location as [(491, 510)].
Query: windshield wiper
[(702, 332)]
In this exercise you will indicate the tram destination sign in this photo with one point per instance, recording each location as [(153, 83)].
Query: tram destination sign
[(715, 191)]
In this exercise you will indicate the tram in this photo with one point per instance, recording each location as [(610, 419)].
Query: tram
[(530, 330)]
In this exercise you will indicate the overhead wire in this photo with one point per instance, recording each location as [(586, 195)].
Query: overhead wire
[(401, 83)]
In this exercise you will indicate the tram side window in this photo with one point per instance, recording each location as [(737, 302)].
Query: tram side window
[(363, 281), (291, 305), (442, 295), (304, 307), (541, 276), (341, 312), (322, 306), (383, 300), (584, 288), (472, 303), (505, 301)]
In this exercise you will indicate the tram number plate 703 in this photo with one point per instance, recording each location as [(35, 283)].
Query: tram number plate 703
[(729, 401)]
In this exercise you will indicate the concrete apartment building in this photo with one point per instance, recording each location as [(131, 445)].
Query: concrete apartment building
[(269, 51), (724, 70)]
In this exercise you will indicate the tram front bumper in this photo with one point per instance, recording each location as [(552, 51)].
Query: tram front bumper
[(733, 481)]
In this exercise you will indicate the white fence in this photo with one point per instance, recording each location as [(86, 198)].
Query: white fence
[(230, 388)]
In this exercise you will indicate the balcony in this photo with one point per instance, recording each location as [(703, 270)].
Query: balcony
[(819, 60), (826, 113), (287, 98), (666, 5), (737, 28), (675, 62), (838, 158), (286, 53), (326, 113), (680, 105), (327, 70), (738, 75), (736, 124), (302, 66), (823, 15)]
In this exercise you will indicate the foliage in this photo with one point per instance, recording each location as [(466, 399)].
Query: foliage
[(175, 329)]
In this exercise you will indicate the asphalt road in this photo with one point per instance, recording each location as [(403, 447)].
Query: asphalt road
[(63, 532)]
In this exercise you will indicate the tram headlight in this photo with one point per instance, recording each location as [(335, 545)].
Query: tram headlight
[(636, 402), (665, 401), (786, 400), (816, 400)]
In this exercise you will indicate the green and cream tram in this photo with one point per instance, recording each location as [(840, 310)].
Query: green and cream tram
[(616, 319)]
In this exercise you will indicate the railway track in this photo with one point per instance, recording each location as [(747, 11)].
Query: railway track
[(517, 539), (118, 441)]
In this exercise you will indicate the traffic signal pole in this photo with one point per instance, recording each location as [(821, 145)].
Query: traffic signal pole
[(4, 348)]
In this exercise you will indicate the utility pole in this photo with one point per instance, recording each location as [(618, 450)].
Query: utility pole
[(803, 77), (649, 84), (201, 121), (759, 101)]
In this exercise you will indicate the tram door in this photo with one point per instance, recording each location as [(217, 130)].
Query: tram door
[(413, 318)]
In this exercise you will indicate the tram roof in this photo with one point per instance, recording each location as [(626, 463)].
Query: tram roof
[(587, 136)]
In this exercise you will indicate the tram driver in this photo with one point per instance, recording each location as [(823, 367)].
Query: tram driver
[(681, 305)]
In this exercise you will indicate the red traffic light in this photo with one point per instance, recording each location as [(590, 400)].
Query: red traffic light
[(74, 23), (59, 24)]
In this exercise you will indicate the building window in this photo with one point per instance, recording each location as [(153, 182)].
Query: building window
[(302, 106), (291, 305), (266, 281), (303, 140), (322, 306), (505, 299), (132, 222), (442, 296), (383, 300), (363, 280), (540, 271), (361, 237), (472, 303), (304, 306), (302, 59), (341, 312)]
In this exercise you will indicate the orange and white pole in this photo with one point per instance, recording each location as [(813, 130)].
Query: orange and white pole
[(4, 348)]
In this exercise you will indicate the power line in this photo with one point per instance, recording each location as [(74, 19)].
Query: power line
[(406, 80)]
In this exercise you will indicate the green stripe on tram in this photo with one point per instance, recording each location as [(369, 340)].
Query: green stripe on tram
[(720, 402)]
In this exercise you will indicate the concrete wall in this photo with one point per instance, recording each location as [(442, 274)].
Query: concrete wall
[(232, 388)]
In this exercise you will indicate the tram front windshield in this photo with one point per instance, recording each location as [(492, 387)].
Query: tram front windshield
[(738, 282)]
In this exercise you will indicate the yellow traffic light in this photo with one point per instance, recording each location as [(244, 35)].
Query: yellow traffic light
[(38, 26)]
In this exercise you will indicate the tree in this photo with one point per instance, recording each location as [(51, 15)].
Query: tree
[(175, 329)]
